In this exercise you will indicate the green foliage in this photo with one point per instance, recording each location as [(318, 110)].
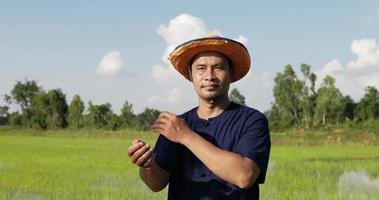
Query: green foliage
[(350, 107), (57, 109), (127, 117), (22, 94), (15, 119), (308, 96), (49, 110), (330, 102), (237, 97), (147, 117), (75, 111), (39, 110), (287, 94), (4, 115), (298, 105), (101, 116), (368, 106)]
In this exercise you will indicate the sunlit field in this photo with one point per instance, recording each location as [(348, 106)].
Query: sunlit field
[(40, 167)]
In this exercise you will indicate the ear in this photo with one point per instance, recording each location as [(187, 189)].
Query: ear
[(190, 72)]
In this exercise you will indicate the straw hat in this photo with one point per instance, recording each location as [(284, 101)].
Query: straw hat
[(235, 51)]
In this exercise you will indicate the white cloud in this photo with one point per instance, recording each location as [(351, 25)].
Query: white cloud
[(358, 73), (332, 66), (110, 64), (367, 52), (242, 39), (181, 29)]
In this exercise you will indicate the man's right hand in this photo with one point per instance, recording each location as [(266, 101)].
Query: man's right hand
[(141, 154)]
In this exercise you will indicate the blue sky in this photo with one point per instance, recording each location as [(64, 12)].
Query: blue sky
[(63, 43)]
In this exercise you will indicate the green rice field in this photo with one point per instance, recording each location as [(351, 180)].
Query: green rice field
[(40, 167)]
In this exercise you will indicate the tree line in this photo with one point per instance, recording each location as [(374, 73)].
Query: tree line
[(42, 109), (297, 104)]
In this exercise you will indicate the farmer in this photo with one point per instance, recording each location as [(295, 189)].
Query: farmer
[(218, 150)]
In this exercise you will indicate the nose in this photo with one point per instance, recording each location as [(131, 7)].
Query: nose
[(209, 74)]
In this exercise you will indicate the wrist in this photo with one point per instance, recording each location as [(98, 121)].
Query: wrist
[(187, 138), (150, 167)]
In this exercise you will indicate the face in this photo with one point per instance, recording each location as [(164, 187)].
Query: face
[(211, 76)]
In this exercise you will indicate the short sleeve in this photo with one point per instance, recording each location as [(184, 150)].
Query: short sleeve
[(163, 153), (254, 142)]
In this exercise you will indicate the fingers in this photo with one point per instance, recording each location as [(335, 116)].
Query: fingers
[(137, 154), (144, 158), (158, 129), (149, 162), (160, 124), (135, 141), (137, 144), (167, 115)]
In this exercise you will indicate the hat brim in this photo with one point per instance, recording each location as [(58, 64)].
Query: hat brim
[(235, 51)]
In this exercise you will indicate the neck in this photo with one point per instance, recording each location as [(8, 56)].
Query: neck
[(212, 108)]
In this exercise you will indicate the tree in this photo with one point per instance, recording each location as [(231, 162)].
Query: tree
[(147, 117), (38, 111), (4, 115), (308, 97), (48, 110), (101, 116), (287, 94), (75, 111), (274, 117), (127, 117), (22, 94), (350, 107), (237, 97), (15, 119), (368, 106), (330, 103), (57, 109)]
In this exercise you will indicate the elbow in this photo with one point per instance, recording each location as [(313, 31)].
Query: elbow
[(245, 184), (156, 189), (246, 181)]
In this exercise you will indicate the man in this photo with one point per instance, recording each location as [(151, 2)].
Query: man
[(218, 150)]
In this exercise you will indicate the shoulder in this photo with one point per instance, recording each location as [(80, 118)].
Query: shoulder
[(251, 114), (188, 114)]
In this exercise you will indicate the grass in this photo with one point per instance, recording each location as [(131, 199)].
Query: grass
[(66, 168), (54, 167)]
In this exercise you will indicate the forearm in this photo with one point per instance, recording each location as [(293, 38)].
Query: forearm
[(155, 177), (220, 161)]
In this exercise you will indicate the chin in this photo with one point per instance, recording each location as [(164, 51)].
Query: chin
[(211, 96)]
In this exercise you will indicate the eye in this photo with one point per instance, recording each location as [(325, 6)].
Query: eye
[(200, 67), (219, 67)]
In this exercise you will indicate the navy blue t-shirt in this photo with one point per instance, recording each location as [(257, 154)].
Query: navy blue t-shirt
[(237, 129)]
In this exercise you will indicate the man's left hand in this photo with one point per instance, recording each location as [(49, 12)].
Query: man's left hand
[(172, 127)]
